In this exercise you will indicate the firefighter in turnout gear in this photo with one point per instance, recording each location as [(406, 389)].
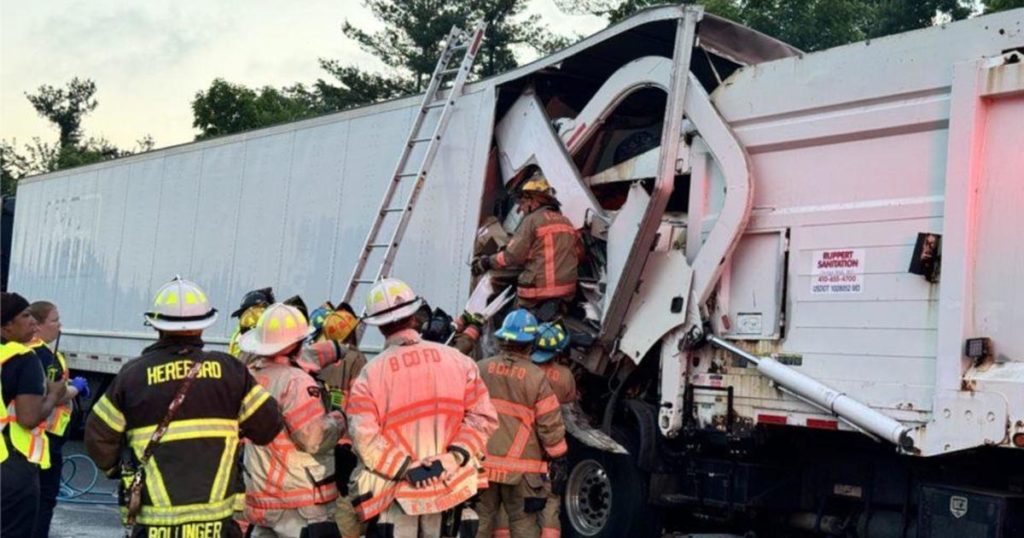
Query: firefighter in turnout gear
[(550, 346), (545, 248), (290, 488), (419, 418), (55, 368), (201, 401), (28, 400), (333, 334), (531, 431), (248, 313)]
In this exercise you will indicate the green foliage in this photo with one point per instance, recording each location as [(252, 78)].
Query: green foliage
[(225, 107), (408, 45), (65, 108), (991, 6), (809, 24)]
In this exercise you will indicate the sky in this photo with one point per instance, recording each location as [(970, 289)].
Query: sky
[(149, 58)]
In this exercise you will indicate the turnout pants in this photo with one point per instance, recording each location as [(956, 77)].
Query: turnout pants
[(513, 499), (19, 494), (547, 519), (395, 523), (49, 487), (224, 528)]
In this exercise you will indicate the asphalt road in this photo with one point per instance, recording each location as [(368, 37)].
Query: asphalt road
[(75, 518)]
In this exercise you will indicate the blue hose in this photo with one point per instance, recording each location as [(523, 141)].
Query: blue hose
[(78, 495)]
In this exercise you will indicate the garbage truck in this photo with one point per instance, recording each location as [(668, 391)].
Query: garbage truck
[(799, 306)]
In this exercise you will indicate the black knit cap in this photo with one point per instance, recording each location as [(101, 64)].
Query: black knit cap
[(12, 305)]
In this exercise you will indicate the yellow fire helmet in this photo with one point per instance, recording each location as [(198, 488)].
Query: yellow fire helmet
[(338, 325), (250, 317), (537, 184)]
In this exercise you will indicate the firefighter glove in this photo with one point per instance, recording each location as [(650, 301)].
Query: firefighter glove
[(469, 318), (558, 474), (82, 386), (481, 264)]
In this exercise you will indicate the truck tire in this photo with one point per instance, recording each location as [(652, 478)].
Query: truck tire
[(606, 494)]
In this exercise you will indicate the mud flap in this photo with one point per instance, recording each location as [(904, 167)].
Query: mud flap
[(579, 427)]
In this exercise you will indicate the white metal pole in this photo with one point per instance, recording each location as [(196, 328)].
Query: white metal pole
[(818, 394)]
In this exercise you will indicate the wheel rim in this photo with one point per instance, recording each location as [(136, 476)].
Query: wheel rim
[(588, 497)]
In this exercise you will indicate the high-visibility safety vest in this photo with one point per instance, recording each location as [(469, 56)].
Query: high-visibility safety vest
[(3, 426), (33, 444), (57, 422)]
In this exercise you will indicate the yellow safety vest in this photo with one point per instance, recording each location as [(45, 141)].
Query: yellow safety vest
[(233, 348), (33, 444), (57, 422), (4, 419)]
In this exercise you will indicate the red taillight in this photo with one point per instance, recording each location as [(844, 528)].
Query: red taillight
[(1018, 440), (822, 424), (772, 419)]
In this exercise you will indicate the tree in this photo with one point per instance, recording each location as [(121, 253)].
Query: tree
[(808, 24), (992, 6), (65, 107), (409, 46), (225, 107)]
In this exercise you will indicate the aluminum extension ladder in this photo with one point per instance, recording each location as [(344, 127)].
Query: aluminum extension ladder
[(441, 93)]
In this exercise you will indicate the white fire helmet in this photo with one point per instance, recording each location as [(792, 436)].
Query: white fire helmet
[(390, 300), (279, 328), (181, 305)]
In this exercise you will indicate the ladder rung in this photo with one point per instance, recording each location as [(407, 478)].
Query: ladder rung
[(363, 281), (379, 245), (392, 210), (450, 71), (436, 105), (426, 139), (407, 174)]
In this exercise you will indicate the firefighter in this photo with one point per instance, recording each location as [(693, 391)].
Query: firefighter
[(531, 431), (187, 473), (55, 368), (248, 313), (289, 483), (415, 408), (545, 249), (28, 401), (334, 334)]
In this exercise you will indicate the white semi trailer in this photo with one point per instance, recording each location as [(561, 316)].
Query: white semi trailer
[(800, 308)]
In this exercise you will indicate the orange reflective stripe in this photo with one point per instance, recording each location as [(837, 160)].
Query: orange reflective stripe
[(515, 465), (302, 415), (547, 405), (546, 292), (502, 533), (549, 259), (519, 442), (499, 260), (293, 498), (471, 438), (552, 229), (512, 409), (557, 449), (548, 532)]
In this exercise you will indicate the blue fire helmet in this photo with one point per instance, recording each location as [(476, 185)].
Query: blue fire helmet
[(317, 317), (519, 326), (551, 341)]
